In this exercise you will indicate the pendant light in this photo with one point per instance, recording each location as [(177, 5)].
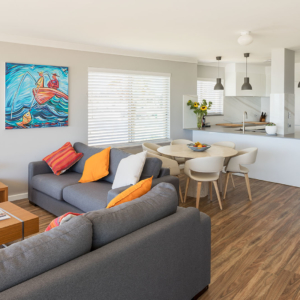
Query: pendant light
[(246, 86), (218, 85)]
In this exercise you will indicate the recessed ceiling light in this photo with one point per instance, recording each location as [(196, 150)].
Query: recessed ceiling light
[(245, 38)]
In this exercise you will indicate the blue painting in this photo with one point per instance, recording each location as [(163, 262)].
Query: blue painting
[(36, 96)]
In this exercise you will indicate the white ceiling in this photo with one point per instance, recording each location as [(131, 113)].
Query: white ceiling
[(186, 30)]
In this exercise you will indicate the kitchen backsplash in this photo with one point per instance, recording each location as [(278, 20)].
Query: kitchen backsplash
[(235, 106)]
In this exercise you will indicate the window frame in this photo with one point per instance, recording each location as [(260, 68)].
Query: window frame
[(141, 73), (212, 80)]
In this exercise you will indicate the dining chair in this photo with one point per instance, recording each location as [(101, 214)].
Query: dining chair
[(181, 142), (151, 148), (170, 164), (235, 165), (204, 169), (229, 145), (181, 160)]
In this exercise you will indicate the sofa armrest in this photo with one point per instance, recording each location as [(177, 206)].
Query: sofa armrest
[(164, 172), (36, 168), (170, 179)]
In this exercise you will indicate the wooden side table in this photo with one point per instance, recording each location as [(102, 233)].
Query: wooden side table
[(3, 192)]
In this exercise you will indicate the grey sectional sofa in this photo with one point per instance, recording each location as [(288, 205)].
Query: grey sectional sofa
[(61, 194), (144, 249)]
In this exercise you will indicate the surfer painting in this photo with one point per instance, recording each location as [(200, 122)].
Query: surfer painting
[(36, 96)]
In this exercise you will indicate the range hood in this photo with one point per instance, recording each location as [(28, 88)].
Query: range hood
[(259, 77)]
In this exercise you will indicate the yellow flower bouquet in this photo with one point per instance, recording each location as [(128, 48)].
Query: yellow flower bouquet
[(200, 110)]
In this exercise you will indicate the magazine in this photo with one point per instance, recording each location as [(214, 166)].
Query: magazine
[(3, 215)]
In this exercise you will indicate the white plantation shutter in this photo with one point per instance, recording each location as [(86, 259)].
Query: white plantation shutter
[(205, 90), (127, 107)]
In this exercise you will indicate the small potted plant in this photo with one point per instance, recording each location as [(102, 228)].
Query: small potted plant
[(200, 109), (271, 128)]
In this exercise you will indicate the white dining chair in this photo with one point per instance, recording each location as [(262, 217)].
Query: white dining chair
[(204, 169), (181, 160), (235, 165), (151, 148), (229, 145), (170, 164), (181, 142)]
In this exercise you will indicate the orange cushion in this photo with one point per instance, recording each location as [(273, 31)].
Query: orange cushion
[(96, 167), (133, 192), (62, 159)]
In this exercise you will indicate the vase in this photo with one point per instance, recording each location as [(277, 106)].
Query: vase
[(271, 129), (199, 121)]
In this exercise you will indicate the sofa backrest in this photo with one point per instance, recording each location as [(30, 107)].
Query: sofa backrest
[(152, 165), (43, 252), (116, 222)]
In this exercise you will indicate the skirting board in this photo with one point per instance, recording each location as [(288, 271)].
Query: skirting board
[(18, 197)]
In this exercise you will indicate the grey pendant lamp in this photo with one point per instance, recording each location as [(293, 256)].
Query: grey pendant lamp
[(246, 86), (218, 85)]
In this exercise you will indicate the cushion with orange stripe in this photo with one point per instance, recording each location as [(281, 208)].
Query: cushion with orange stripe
[(62, 159)]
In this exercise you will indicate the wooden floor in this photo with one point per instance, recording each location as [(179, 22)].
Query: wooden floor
[(255, 245)]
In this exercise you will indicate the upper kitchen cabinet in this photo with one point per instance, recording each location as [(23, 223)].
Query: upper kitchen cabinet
[(259, 80)]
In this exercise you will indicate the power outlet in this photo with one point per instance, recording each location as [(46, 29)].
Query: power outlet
[(289, 115)]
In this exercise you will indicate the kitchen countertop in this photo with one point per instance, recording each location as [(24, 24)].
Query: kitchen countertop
[(220, 129)]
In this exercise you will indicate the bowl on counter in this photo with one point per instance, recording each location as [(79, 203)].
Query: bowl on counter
[(198, 149)]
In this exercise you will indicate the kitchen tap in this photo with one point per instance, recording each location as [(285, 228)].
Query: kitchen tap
[(245, 113)]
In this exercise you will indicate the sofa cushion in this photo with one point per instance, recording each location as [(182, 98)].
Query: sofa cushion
[(152, 167), (40, 253), (116, 155), (116, 222), (88, 196), (53, 185)]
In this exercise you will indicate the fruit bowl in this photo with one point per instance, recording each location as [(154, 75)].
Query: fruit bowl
[(196, 147)]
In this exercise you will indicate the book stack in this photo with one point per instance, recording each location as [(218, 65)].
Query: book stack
[(3, 215)]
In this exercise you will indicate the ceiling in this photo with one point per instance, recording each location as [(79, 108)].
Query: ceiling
[(183, 30)]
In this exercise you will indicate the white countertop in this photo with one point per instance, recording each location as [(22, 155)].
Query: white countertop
[(220, 129)]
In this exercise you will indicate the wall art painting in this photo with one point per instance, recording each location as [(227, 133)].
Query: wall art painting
[(36, 96)]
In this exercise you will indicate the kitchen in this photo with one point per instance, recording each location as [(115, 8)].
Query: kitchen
[(274, 92)]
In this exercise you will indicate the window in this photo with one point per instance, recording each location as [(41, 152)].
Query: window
[(127, 107), (205, 90)]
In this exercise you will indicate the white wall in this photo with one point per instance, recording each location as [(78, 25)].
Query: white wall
[(19, 147)]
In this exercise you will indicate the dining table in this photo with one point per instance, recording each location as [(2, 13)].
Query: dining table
[(183, 151)]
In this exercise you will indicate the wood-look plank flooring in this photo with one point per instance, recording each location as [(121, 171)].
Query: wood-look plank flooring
[(255, 245)]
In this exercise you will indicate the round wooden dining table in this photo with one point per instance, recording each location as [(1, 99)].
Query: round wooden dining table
[(185, 152)]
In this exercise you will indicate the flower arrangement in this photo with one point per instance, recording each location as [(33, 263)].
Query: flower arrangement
[(200, 109), (270, 124)]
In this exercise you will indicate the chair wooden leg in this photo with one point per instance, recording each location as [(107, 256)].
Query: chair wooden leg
[(198, 194), (248, 186), (186, 188), (180, 194), (226, 185), (210, 191), (232, 181), (218, 194)]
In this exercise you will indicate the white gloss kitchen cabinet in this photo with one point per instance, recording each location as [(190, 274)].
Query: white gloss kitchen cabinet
[(259, 79)]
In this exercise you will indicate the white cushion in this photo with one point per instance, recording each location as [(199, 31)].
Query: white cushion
[(129, 170)]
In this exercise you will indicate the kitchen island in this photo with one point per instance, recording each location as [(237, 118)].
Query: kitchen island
[(278, 158)]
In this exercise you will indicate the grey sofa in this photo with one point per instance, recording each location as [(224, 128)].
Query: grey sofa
[(144, 249), (62, 194)]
